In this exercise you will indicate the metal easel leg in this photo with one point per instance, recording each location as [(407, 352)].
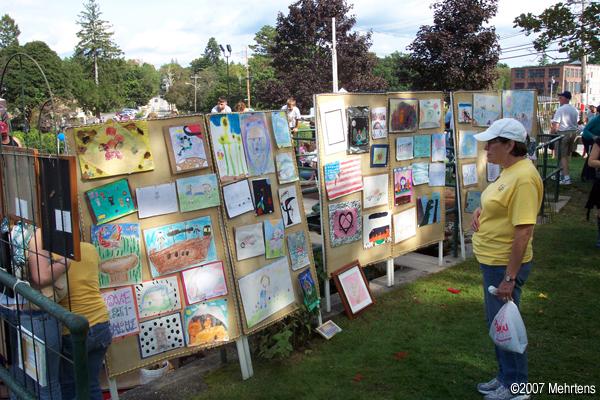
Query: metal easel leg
[(327, 297), (463, 254), (248, 356), (440, 253), (390, 272), (239, 344), (112, 386)]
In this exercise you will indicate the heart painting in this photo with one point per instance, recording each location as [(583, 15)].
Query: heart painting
[(346, 222)]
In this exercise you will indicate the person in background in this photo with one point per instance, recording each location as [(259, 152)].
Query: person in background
[(590, 112), (8, 140), (241, 107), (594, 164), (293, 115), (502, 241), (221, 106), (564, 123)]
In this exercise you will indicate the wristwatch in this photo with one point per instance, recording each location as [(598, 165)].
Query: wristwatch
[(507, 278)]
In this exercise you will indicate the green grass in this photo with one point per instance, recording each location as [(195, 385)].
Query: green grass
[(444, 336)]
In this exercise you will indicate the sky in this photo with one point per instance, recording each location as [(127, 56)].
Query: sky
[(158, 31)]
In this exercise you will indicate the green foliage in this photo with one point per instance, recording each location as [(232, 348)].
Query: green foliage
[(396, 70), (9, 32), (265, 41), (209, 58), (44, 142), (503, 81)]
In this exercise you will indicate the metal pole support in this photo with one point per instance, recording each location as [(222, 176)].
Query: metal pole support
[(112, 387), (390, 272), (243, 350), (327, 297), (440, 253)]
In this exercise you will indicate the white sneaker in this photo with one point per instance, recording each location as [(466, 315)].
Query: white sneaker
[(488, 387), (565, 180), (503, 393)]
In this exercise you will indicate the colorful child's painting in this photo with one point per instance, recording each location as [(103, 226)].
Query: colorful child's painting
[(206, 323), (403, 185), (298, 249), (519, 104), (309, 290), (422, 146), (263, 196), (181, 245), (238, 199), (281, 129), (118, 246), (486, 109), (343, 177), (122, 314), (204, 282), (274, 238), (358, 129), (111, 201), (198, 192), (473, 201), (437, 174), (438, 147), (113, 149), (405, 225), (286, 168), (465, 113), (257, 143), (404, 148), (375, 190), (492, 171), (467, 145), (249, 241), (429, 209), (161, 334), (266, 291), (345, 221), (377, 229), (156, 200), (187, 147), (289, 206), (403, 115), (228, 150), (378, 123), (158, 297), (379, 155), (420, 173), (469, 173), (430, 113)]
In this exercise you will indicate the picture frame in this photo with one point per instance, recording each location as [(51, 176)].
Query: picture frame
[(116, 194), (328, 329), (379, 155), (187, 147), (20, 169), (353, 287)]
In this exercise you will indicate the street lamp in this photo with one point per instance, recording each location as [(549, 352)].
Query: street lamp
[(195, 85), (226, 55), (552, 82)]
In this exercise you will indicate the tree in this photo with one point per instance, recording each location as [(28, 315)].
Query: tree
[(95, 38), (503, 81), (9, 32), (396, 70), (456, 52), (265, 41), (209, 58)]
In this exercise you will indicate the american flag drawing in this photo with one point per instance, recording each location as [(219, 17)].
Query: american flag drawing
[(343, 177)]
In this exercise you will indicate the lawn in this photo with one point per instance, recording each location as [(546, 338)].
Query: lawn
[(423, 342)]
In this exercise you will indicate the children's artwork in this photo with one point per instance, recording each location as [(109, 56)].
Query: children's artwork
[(345, 221), (180, 245), (249, 241), (263, 197), (437, 174), (228, 150), (405, 224), (257, 143), (157, 297), (274, 238), (198, 192), (333, 124), (467, 145), (111, 201), (465, 113), (266, 291), (206, 323), (473, 201), (281, 129), (238, 199), (328, 329), (486, 109), (161, 334), (358, 129), (376, 229), (469, 174), (403, 185), (204, 282), (430, 113), (379, 155), (289, 206), (429, 209), (113, 149), (343, 177), (121, 312), (156, 200), (298, 249), (353, 287), (422, 146), (420, 173), (375, 190), (118, 246), (438, 147), (519, 104), (493, 171), (186, 147), (286, 168), (378, 123), (403, 115), (309, 290), (404, 148), (31, 353)]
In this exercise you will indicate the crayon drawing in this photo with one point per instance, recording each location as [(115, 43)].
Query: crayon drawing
[(376, 229), (122, 313), (519, 104), (378, 123), (298, 248), (403, 115), (429, 209), (257, 143), (465, 113), (160, 334), (430, 113), (206, 323), (249, 241), (404, 148), (343, 177), (469, 172), (405, 224), (156, 200), (286, 168), (309, 290), (111, 201), (118, 246), (289, 206), (157, 297), (345, 221), (274, 238), (263, 196), (186, 145), (403, 185), (375, 190), (492, 171), (238, 199), (281, 129), (486, 109), (198, 192), (204, 282), (228, 150)]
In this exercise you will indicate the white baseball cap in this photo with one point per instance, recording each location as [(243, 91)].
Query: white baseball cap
[(508, 128)]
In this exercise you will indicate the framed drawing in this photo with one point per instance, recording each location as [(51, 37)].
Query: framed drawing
[(121, 311), (286, 168), (377, 229), (429, 209), (257, 143), (430, 113), (156, 200), (379, 155), (333, 123), (290, 210), (274, 238), (31, 355), (353, 287), (309, 290), (207, 323), (157, 297), (204, 282), (198, 192), (343, 177), (405, 224), (298, 249), (358, 129), (378, 123), (281, 129), (238, 199), (110, 201), (161, 334), (375, 190), (345, 221), (263, 196), (403, 115), (228, 150), (186, 147), (249, 241), (486, 109), (19, 176), (404, 148), (328, 329), (403, 185), (118, 246)]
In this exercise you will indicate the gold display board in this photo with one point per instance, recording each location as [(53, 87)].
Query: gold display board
[(480, 159), (339, 256)]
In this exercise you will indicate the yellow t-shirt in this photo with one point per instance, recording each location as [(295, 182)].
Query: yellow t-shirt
[(514, 199), (84, 293)]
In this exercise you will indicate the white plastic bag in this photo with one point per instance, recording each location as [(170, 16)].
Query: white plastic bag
[(507, 329)]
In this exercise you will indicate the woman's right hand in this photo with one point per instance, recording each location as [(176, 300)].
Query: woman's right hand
[(475, 222)]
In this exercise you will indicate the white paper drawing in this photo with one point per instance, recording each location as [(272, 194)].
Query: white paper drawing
[(158, 296), (469, 174), (289, 206), (238, 199), (286, 168), (376, 229), (437, 174), (378, 122), (405, 224), (404, 148), (493, 172), (156, 200), (249, 241), (161, 334), (420, 173), (375, 190)]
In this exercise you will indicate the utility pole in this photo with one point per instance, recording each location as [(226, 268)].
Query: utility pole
[(247, 79), (195, 85), (227, 55), (334, 57), (583, 56)]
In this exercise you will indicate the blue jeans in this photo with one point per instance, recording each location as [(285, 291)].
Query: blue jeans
[(512, 367), (98, 340)]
